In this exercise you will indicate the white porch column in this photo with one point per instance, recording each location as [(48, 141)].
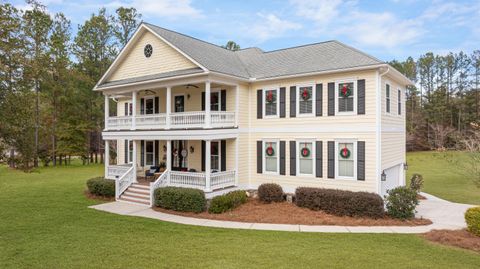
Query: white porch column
[(106, 160), (107, 110), (237, 103), (134, 161), (134, 110), (169, 106), (236, 161), (208, 170), (208, 119), (169, 160)]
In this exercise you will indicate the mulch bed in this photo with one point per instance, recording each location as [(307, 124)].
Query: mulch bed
[(456, 238), (97, 197), (287, 213)]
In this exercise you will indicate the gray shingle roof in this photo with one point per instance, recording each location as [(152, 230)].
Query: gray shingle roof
[(255, 63), (151, 77)]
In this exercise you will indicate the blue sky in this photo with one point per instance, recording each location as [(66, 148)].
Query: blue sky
[(390, 29)]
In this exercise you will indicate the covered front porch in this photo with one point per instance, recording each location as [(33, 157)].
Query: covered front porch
[(208, 165)]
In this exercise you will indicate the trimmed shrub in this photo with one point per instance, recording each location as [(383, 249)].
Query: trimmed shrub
[(101, 186), (180, 199), (229, 201), (401, 202), (340, 203), (270, 192), (472, 217), (416, 182)]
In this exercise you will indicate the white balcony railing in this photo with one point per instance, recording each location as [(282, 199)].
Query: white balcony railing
[(195, 180), (222, 179), (178, 120)]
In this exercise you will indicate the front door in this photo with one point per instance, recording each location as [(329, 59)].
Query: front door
[(179, 103), (179, 155)]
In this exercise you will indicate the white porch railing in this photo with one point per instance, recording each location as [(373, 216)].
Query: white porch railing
[(116, 171), (160, 182), (124, 181), (195, 180), (195, 119), (178, 120), (222, 118), (155, 121), (119, 123), (222, 179)]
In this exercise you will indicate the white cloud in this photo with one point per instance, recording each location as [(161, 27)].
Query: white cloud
[(270, 26), (179, 9), (381, 29), (320, 11)]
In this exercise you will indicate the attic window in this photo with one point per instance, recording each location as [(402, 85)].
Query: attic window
[(148, 50)]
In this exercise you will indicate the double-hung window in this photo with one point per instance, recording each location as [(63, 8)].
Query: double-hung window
[(387, 97), (215, 101), (305, 157), (271, 161), (215, 155), (305, 95), (346, 97), (149, 155), (345, 156), (128, 109), (399, 92), (130, 151), (271, 102)]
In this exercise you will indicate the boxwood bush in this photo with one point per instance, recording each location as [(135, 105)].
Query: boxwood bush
[(472, 217), (401, 202), (340, 203), (270, 192), (101, 186), (229, 201), (180, 199)]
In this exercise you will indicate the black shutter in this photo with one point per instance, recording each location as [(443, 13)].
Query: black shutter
[(282, 102), (318, 159), (293, 101), (157, 108), (203, 155), (157, 153), (259, 104), (203, 101), (293, 160), (126, 109), (259, 157), (331, 159), (361, 97), (126, 151), (282, 157), (223, 153), (223, 99), (142, 109), (361, 160), (142, 153), (319, 99), (331, 99)]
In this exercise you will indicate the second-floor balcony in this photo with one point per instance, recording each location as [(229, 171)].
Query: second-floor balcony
[(174, 107), (177, 120)]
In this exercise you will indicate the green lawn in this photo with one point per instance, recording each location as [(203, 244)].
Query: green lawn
[(442, 176), (45, 223)]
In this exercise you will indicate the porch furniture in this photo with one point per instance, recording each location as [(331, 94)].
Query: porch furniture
[(151, 172)]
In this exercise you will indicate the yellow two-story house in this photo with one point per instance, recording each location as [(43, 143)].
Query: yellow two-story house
[(320, 115)]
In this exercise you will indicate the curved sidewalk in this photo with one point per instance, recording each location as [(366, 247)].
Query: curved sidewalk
[(443, 214)]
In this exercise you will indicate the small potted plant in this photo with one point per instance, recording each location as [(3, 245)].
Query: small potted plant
[(162, 166)]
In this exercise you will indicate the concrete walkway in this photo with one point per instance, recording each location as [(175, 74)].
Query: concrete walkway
[(443, 214)]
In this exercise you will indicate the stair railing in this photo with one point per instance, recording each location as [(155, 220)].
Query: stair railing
[(122, 183), (161, 181)]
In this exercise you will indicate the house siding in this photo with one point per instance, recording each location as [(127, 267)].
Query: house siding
[(164, 59)]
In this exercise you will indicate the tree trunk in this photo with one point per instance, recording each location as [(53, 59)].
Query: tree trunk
[(37, 115)]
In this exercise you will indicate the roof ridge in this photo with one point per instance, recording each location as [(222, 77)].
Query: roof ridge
[(185, 35), (300, 46)]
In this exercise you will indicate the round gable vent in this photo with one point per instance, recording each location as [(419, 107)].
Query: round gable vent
[(148, 50)]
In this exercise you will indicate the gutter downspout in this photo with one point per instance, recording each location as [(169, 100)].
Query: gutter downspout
[(379, 128)]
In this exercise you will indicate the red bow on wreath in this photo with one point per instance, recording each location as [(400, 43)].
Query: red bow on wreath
[(305, 94), (270, 151), (345, 153), (345, 90)]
